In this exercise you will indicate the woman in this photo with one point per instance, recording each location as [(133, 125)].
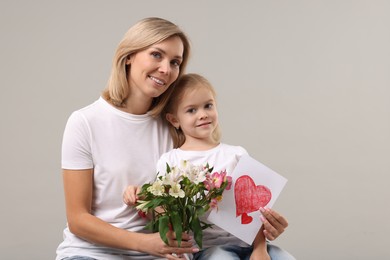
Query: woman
[(117, 140)]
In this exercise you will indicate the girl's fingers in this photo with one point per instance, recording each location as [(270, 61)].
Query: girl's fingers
[(277, 220), (274, 223)]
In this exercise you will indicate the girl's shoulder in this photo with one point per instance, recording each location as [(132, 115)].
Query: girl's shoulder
[(235, 149), (172, 156)]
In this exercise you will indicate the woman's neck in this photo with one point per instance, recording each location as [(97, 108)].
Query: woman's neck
[(136, 106)]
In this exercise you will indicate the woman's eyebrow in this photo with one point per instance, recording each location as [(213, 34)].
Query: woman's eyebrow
[(164, 52)]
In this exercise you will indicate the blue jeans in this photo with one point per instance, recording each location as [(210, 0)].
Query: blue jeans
[(78, 257), (231, 252)]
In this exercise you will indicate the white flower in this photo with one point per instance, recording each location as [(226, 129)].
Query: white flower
[(176, 191), (142, 205), (195, 174), (157, 188), (173, 177)]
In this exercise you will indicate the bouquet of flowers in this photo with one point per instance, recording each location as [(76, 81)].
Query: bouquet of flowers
[(180, 196)]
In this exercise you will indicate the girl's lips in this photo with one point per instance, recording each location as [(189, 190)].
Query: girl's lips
[(204, 124)]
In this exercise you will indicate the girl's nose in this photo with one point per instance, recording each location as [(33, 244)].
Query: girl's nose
[(203, 115)]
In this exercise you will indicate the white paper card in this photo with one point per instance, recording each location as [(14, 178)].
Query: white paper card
[(254, 185)]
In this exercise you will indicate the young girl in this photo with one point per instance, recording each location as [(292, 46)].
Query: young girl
[(193, 123)]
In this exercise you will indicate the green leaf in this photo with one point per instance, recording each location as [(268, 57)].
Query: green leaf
[(197, 229), (168, 168), (200, 211), (150, 226), (163, 223), (206, 225), (177, 227)]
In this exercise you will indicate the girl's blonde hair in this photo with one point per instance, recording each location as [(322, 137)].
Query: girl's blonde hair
[(185, 83), (139, 37)]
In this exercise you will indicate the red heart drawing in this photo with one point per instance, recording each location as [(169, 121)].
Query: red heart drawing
[(245, 219), (249, 197)]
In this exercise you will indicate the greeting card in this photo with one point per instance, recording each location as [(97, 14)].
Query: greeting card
[(254, 185)]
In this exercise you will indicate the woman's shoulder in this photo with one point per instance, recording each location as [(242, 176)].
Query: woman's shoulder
[(89, 109)]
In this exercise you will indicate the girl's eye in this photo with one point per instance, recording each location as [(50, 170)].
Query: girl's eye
[(208, 106), (191, 110), (156, 55)]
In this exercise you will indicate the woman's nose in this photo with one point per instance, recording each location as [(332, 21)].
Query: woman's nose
[(164, 67)]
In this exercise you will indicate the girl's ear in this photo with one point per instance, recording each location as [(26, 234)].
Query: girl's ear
[(173, 120)]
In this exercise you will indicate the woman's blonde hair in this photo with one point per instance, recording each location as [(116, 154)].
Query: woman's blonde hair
[(185, 83), (139, 37)]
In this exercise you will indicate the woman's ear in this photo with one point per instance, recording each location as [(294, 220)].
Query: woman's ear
[(173, 120), (128, 59)]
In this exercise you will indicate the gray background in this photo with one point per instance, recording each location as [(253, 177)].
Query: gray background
[(304, 86)]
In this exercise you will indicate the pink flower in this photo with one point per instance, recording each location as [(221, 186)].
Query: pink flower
[(216, 180), (213, 203), (229, 180), (208, 183), (213, 181), (142, 214)]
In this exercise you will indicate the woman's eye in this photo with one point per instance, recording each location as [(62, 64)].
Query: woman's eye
[(156, 55), (176, 63)]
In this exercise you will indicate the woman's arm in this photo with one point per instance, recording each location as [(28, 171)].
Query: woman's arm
[(78, 187)]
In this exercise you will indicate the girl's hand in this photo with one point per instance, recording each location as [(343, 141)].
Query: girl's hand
[(262, 255), (130, 195), (274, 223)]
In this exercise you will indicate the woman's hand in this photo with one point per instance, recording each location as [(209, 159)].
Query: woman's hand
[(130, 196), (274, 223), (155, 246)]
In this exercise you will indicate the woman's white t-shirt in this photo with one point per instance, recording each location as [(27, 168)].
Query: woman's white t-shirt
[(123, 150)]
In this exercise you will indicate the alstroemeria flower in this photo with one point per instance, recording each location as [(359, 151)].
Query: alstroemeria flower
[(142, 214), (213, 203), (176, 191), (211, 181), (208, 183), (141, 205), (157, 188), (217, 179), (229, 181), (173, 177), (196, 174)]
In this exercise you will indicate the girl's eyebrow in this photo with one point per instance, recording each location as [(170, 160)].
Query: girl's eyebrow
[(193, 105), (164, 52)]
